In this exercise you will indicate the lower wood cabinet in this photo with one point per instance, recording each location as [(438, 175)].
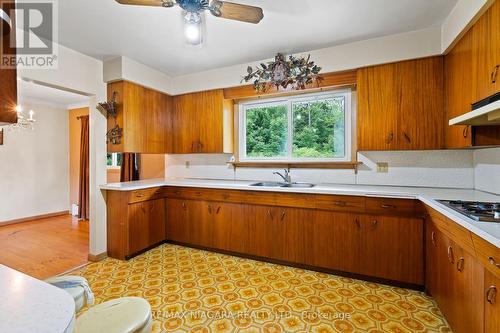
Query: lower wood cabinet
[(146, 224), (456, 280), (386, 247), (491, 303)]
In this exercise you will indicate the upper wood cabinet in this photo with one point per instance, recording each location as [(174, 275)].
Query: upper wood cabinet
[(144, 115), (202, 122), (400, 106), (472, 73), (8, 77), (486, 53)]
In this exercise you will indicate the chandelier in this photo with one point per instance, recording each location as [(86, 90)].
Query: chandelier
[(22, 122)]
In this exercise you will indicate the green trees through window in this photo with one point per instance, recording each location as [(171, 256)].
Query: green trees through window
[(312, 128)]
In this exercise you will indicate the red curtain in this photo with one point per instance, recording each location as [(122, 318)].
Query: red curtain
[(83, 191), (130, 167)]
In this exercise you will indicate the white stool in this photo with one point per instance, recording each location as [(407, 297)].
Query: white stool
[(121, 315), (77, 292)]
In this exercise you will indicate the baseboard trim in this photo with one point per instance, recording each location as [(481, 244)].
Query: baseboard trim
[(34, 218), (97, 257)]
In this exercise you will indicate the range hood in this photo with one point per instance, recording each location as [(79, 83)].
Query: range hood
[(485, 112)]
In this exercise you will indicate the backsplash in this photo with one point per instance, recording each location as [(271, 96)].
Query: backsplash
[(445, 168), (487, 170)]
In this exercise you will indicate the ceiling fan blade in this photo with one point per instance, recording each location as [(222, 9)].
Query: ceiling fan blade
[(238, 12), (155, 3)]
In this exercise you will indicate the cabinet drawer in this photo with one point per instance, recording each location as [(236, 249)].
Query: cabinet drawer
[(203, 194), (391, 206), (340, 203), (145, 195), (488, 254)]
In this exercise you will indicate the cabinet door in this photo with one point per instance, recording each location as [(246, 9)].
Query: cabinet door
[(199, 220), (378, 102), (266, 233), (492, 303), (177, 227), (486, 49), (146, 224), (335, 240), (392, 248), (420, 114), (230, 228), (296, 223), (458, 91), (464, 310)]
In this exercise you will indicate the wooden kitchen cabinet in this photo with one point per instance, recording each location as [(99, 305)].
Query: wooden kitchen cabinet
[(266, 234), (144, 115), (146, 224), (8, 77), (230, 228), (177, 219), (202, 122), (486, 53), (491, 303), (400, 105), (455, 279)]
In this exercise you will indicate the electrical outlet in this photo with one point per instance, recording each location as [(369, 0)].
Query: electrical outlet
[(188, 164), (382, 167)]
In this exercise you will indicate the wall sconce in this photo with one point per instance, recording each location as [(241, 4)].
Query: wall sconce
[(110, 108)]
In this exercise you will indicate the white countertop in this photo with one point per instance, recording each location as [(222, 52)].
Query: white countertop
[(488, 231), (28, 305)]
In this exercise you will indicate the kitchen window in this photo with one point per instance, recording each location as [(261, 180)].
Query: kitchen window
[(114, 160), (305, 128)]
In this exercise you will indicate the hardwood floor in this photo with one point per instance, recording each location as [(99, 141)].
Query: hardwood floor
[(46, 247)]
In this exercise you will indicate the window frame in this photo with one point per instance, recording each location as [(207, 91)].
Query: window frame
[(288, 101), (114, 161)]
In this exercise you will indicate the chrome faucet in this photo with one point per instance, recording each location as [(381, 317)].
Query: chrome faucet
[(286, 177)]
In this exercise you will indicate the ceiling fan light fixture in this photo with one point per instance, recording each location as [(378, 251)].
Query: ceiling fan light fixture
[(192, 28)]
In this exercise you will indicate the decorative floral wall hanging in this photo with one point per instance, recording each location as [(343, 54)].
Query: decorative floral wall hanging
[(110, 108), (297, 72)]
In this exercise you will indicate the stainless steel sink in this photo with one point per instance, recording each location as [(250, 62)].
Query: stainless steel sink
[(278, 184), (299, 185), (268, 184)]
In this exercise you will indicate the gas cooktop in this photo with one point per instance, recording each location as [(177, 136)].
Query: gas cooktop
[(479, 211)]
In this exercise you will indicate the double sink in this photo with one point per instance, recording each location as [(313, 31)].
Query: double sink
[(286, 185)]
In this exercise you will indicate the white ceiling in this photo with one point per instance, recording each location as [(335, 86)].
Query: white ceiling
[(30, 90), (154, 36)]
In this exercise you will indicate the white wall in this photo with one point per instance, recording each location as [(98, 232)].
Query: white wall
[(445, 168), (487, 170), (78, 72), (34, 165)]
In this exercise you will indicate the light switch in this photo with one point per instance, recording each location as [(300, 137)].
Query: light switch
[(382, 167), (188, 164)]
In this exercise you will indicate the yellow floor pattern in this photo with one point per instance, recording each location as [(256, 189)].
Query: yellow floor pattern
[(198, 291)]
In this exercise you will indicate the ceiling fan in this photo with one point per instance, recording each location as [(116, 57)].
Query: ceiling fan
[(194, 8)]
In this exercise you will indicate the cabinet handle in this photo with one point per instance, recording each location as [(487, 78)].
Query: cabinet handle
[(390, 137), (494, 74), (209, 209), (465, 133), (340, 203), (139, 195), (177, 192), (491, 294), (374, 224), (384, 206), (270, 214), (493, 262), (433, 238), (450, 255), (184, 206), (358, 225), (407, 137), (143, 210), (218, 210), (283, 214), (460, 264)]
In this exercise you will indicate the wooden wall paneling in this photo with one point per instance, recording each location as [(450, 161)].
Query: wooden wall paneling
[(330, 80)]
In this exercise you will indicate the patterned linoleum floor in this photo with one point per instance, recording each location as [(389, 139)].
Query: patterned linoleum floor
[(198, 291)]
